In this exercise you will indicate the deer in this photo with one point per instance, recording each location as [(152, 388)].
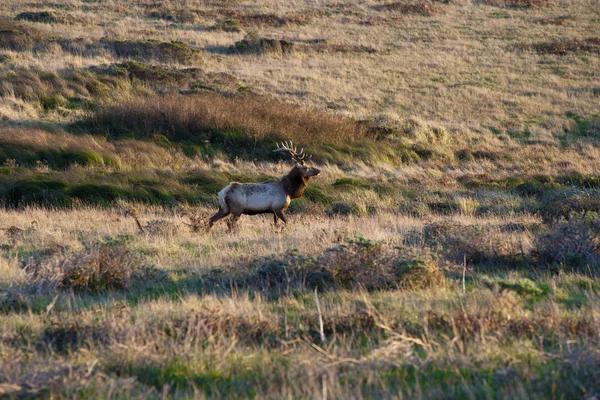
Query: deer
[(270, 197)]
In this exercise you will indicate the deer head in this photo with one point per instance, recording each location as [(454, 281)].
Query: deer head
[(298, 158)]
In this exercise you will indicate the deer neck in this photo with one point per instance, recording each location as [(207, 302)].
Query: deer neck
[(294, 184)]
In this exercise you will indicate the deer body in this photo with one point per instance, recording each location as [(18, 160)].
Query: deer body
[(270, 197), (251, 199)]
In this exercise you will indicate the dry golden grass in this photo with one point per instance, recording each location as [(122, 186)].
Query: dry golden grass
[(403, 79), (452, 236), (166, 330)]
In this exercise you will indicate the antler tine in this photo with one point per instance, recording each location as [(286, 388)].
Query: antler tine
[(288, 147)]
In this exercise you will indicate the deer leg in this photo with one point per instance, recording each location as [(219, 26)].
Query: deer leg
[(281, 215), (274, 218), (218, 216), (232, 221)]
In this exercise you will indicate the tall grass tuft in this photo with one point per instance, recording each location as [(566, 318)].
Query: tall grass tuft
[(207, 116)]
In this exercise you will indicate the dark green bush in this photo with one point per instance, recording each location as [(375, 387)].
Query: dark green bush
[(319, 193), (207, 181), (34, 192), (350, 184), (346, 208), (92, 193), (39, 16)]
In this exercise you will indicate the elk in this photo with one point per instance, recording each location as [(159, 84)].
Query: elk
[(270, 197)]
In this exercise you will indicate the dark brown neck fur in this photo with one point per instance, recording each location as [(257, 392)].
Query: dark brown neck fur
[(295, 183)]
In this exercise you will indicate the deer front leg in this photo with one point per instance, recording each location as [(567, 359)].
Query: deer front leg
[(275, 218), (281, 215)]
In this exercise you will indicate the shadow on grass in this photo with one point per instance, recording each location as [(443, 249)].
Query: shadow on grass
[(269, 277)]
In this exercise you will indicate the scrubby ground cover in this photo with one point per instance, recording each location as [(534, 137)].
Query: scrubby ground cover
[(452, 239)]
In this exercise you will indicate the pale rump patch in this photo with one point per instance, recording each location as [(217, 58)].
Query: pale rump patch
[(222, 195)]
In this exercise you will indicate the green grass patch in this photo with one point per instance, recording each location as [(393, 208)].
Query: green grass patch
[(584, 127), (34, 192), (29, 156), (522, 286)]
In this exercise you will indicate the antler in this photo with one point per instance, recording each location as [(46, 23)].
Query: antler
[(292, 151)]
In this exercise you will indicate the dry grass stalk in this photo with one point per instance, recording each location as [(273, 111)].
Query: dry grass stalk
[(321, 332), (134, 213)]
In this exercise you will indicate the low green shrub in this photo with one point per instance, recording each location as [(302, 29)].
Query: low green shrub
[(417, 273), (346, 208), (93, 193), (522, 286), (565, 204), (34, 192)]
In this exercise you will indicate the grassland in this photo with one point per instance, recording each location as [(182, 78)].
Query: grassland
[(453, 239)]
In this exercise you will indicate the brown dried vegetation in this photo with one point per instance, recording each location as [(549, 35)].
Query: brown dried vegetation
[(17, 37), (564, 47), (260, 117), (478, 244), (423, 8), (100, 268), (572, 244), (360, 264), (517, 3), (469, 326)]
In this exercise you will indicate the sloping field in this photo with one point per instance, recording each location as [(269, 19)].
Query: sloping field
[(450, 248)]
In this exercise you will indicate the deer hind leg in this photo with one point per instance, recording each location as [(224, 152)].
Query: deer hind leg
[(231, 223), (218, 216)]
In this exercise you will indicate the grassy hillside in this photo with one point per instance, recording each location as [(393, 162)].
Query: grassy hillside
[(452, 239)]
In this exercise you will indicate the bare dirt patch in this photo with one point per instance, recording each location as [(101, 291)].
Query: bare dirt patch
[(563, 47)]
